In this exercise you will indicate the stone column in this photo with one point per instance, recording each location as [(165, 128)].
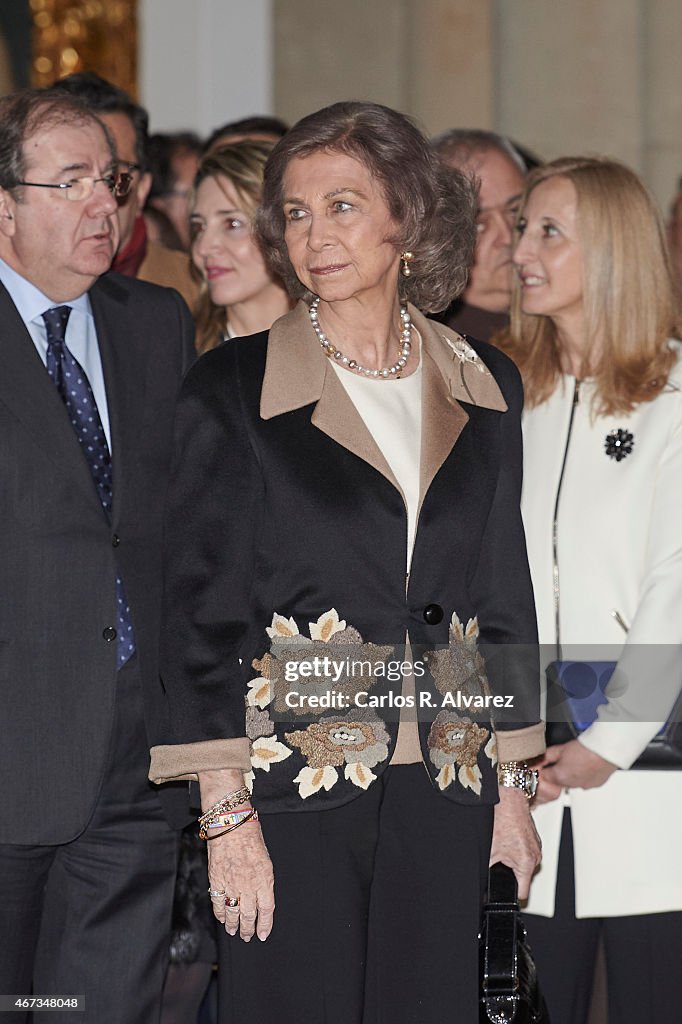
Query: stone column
[(662, 85), (569, 76), (328, 51), (451, 81)]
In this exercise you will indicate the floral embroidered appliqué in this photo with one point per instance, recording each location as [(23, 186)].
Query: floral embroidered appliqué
[(459, 668), (267, 750), (356, 662), (357, 742), (454, 744)]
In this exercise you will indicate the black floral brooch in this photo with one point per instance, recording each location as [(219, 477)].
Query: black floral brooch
[(618, 444)]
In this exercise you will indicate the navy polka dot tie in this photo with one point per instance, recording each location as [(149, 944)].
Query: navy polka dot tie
[(74, 388)]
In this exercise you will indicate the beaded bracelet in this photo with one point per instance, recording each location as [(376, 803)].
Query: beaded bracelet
[(203, 831), (233, 818), (226, 803)]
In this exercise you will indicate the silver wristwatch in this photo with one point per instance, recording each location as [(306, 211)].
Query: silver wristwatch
[(517, 775)]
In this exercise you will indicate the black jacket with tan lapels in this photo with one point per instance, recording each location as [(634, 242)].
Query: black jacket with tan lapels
[(285, 543)]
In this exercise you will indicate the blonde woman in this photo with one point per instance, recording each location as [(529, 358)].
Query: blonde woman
[(592, 329), (239, 296)]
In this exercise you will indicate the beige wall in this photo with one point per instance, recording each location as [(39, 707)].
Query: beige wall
[(561, 76), (327, 51), (204, 63)]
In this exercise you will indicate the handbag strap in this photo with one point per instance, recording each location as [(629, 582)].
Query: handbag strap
[(501, 921)]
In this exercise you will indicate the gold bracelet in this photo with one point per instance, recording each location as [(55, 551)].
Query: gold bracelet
[(203, 831), (221, 820), (226, 803)]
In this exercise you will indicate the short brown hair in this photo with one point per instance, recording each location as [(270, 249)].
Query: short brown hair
[(433, 205), (629, 298)]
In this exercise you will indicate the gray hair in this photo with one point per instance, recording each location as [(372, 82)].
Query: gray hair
[(432, 205), (459, 145)]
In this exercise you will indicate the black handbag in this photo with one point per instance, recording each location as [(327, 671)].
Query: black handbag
[(510, 993), (577, 688)]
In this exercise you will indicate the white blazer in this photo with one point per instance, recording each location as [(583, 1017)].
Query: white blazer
[(619, 557)]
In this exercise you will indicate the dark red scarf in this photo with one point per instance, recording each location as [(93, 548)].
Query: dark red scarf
[(129, 260)]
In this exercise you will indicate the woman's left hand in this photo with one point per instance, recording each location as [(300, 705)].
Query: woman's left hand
[(515, 838), (573, 766)]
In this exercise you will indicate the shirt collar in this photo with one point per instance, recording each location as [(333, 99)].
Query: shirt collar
[(31, 303), (296, 366)]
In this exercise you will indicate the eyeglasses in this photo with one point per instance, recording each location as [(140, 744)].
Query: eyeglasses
[(129, 168), (82, 188)]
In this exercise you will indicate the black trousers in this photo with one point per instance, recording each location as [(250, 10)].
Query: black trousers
[(378, 910), (92, 917), (642, 956)]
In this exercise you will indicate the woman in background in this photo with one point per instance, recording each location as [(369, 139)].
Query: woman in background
[(592, 320), (239, 295)]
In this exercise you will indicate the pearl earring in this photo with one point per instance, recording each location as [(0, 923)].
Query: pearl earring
[(405, 258)]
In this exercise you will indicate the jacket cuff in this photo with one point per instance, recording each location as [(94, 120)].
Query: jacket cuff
[(521, 744), (173, 763), (621, 743)]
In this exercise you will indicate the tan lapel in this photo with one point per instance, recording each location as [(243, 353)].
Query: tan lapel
[(297, 373), (451, 373), (443, 420)]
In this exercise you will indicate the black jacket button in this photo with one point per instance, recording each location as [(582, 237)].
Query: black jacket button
[(109, 634), (115, 540), (433, 614)]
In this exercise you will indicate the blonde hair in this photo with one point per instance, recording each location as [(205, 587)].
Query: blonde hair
[(242, 163), (629, 296)]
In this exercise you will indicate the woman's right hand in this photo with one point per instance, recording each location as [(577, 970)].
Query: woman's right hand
[(239, 864)]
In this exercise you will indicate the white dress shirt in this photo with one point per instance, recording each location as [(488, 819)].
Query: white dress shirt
[(81, 336)]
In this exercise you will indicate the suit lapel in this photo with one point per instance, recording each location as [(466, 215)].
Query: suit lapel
[(452, 373), (26, 389), (124, 367), (336, 415), (297, 373), (443, 420)]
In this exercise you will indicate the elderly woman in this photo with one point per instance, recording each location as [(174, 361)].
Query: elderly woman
[(346, 480), (239, 295), (592, 320)]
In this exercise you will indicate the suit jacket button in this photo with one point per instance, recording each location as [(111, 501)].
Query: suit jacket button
[(115, 540), (433, 614), (109, 634)]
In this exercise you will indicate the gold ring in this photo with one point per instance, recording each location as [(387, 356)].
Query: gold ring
[(232, 902)]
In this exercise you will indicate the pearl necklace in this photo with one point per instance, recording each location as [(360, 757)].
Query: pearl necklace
[(352, 364)]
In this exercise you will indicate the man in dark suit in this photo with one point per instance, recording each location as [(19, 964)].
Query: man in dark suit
[(90, 369)]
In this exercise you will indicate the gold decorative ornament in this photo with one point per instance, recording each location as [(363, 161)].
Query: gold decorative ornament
[(85, 35)]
